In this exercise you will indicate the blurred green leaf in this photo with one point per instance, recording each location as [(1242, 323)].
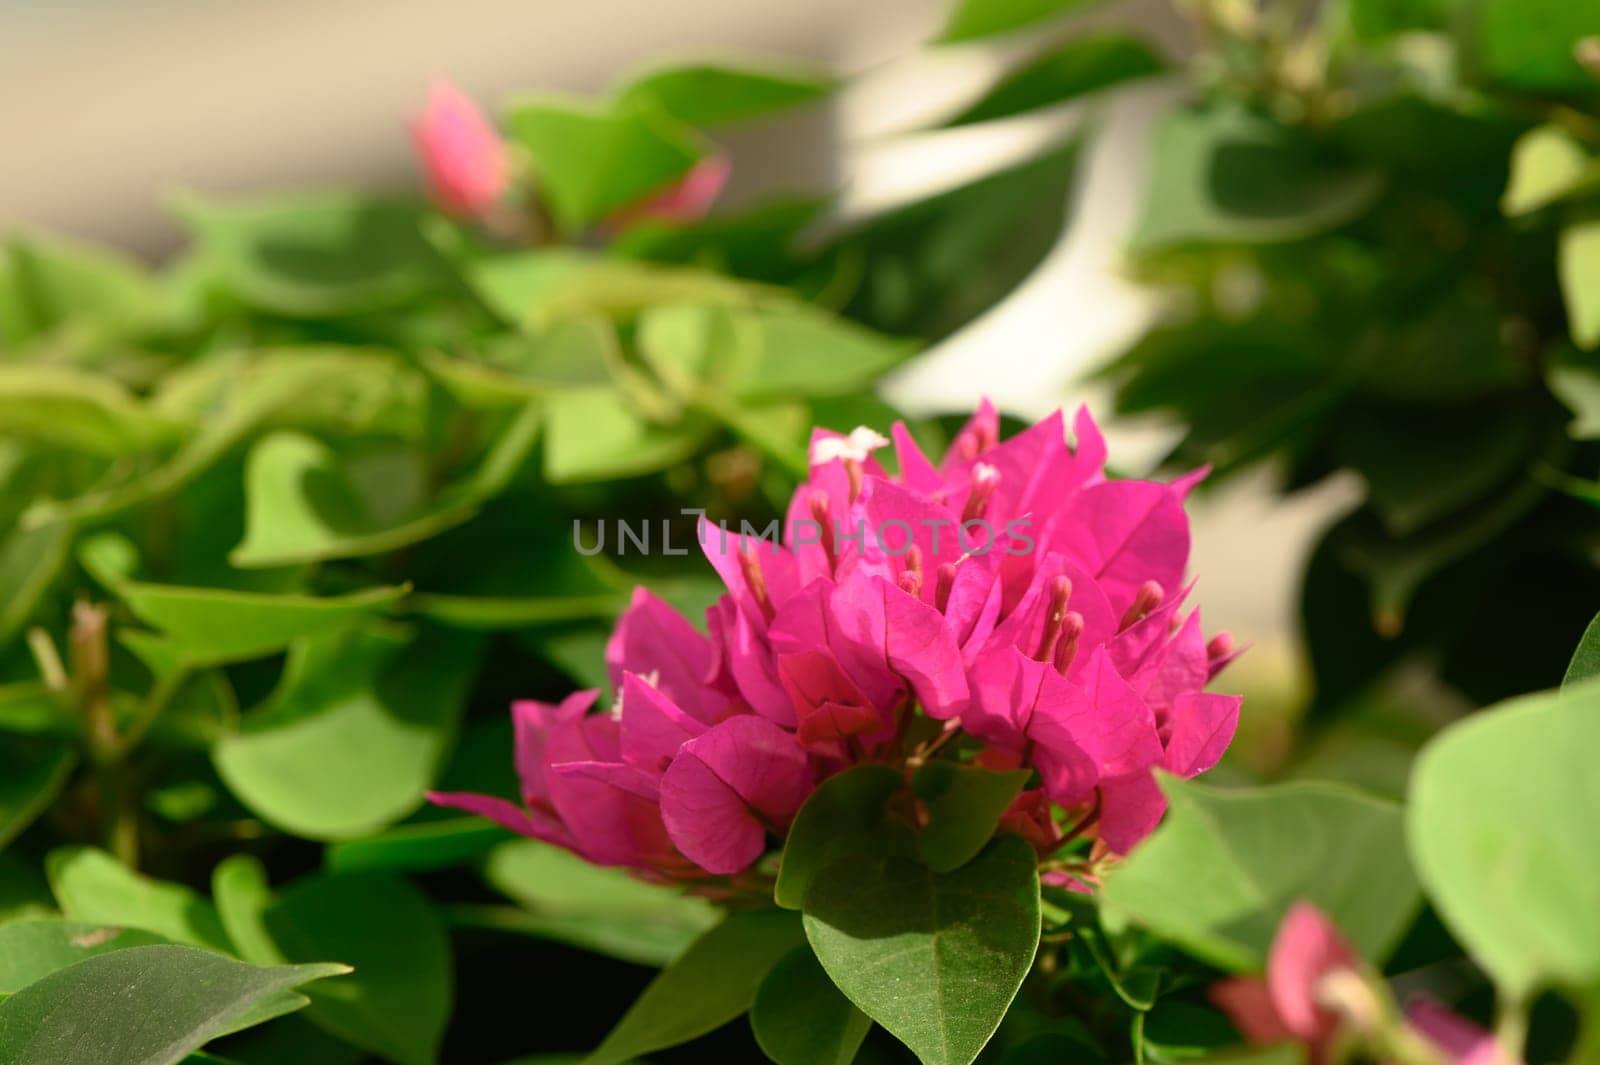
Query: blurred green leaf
[(800, 1018), (316, 255), (1580, 278), (47, 283), (1083, 65), (934, 958), (568, 900), (413, 847), (972, 19), (78, 410), (33, 770), (148, 1005), (714, 94), (591, 160), (1218, 875), (1501, 826), (1224, 174), (35, 947), (712, 983), (594, 434), (964, 805), (1529, 44), (90, 885), (1548, 165)]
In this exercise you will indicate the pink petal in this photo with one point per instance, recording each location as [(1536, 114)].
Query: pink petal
[(1131, 806), (531, 823), (1099, 714), (651, 638), (827, 703), (532, 723), (745, 661), (1462, 1040), (653, 726), (1306, 949), (1202, 727), (461, 152), (1248, 1004), (1128, 532), (916, 472), (685, 200), (729, 787)]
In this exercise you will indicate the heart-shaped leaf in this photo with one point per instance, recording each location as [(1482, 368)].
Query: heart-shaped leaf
[(844, 816), (934, 958)]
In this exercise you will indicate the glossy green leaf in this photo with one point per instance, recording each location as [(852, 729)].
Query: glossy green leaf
[(90, 885), (301, 506), (1501, 826), (964, 805), (1579, 265), (972, 19), (715, 94), (35, 947), (32, 773), (1219, 874), (715, 981), (1224, 174), (591, 161), (397, 1002), (355, 732), (316, 254), (1083, 65), (1585, 662), (800, 1018), (934, 958), (149, 1005), (1548, 164), (843, 817), (566, 899)]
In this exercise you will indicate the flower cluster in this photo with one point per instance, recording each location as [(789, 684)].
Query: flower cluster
[(1063, 649)]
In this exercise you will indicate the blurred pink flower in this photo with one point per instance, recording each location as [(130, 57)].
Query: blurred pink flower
[(684, 200), (462, 154), (1011, 592)]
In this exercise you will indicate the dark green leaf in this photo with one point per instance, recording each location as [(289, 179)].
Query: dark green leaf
[(934, 958), (1084, 65), (149, 1005), (973, 19), (428, 845), (33, 948), (843, 817), (1219, 874), (964, 805), (714, 982), (1586, 659), (32, 773), (800, 1018), (1529, 44)]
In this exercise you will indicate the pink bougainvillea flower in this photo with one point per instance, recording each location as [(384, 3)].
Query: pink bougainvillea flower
[(462, 154), (1462, 1041), (1007, 605)]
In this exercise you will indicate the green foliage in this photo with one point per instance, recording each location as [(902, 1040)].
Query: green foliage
[(800, 1018)]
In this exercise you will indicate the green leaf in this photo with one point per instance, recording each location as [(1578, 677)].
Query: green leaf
[(606, 910), (1529, 44), (428, 845), (1579, 265), (715, 94), (1586, 659), (1225, 174), (592, 161), (800, 350), (355, 732), (90, 885), (214, 625), (57, 283), (800, 1018), (80, 411), (916, 261), (843, 817), (33, 948), (301, 506), (934, 958), (1085, 64), (973, 19), (1218, 875), (397, 1001), (1577, 386), (316, 255), (149, 1005), (714, 982), (1548, 164), (1501, 825), (594, 434), (242, 893), (538, 289), (32, 773), (964, 805)]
